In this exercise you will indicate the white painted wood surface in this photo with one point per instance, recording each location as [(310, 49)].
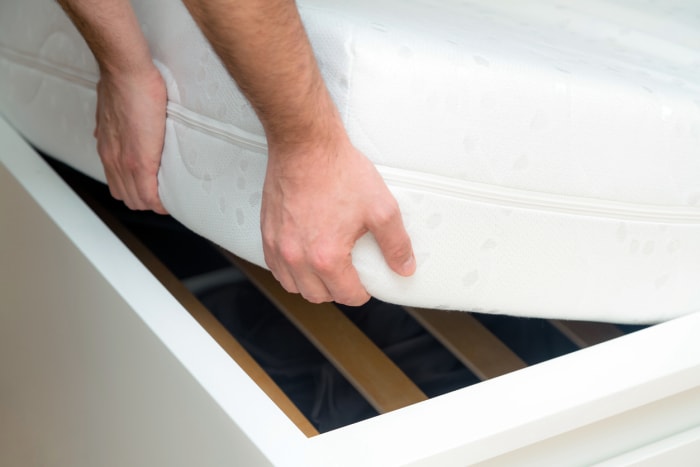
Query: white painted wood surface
[(100, 366)]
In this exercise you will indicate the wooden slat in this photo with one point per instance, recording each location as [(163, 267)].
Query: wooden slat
[(365, 366), (474, 345), (585, 333), (204, 317)]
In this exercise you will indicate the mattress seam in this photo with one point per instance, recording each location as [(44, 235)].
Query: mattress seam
[(427, 183), (223, 131), (37, 63), (529, 199)]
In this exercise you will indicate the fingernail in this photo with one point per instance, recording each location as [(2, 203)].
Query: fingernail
[(409, 266)]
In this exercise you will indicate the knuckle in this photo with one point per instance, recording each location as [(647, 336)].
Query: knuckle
[(399, 251), (290, 253), (131, 164), (325, 260), (385, 213)]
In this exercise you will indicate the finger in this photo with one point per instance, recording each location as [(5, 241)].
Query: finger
[(132, 198), (116, 187), (332, 265), (292, 270), (280, 273), (344, 285), (147, 191), (121, 187), (312, 287), (115, 181), (285, 279), (159, 208), (390, 233)]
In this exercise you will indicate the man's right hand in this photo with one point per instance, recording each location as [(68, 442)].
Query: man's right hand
[(319, 198), (320, 193)]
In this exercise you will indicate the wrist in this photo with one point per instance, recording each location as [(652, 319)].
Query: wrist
[(142, 75), (137, 65), (314, 124), (319, 140)]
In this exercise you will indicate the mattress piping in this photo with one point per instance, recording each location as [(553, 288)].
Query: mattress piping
[(414, 181), (527, 199)]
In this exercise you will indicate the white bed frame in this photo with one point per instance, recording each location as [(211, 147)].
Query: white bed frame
[(100, 365)]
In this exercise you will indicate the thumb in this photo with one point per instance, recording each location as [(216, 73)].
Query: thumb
[(395, 243)]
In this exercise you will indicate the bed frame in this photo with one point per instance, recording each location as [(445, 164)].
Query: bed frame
[(108, 359)]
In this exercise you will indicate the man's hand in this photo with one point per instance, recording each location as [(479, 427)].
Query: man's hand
[(131, 99), (318, 199), (130, 129), (320, 193)]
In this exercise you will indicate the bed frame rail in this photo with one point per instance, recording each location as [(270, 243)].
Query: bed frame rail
[(366, 367)]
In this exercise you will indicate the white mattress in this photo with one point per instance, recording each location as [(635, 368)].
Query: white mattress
[(545, 155)]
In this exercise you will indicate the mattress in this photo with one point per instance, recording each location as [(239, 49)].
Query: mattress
[(545, 155)]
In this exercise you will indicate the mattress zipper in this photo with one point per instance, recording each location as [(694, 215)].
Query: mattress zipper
[(420, 182), (526, 199), (215, 128), (465, 190), (74, 76), (175, 111)]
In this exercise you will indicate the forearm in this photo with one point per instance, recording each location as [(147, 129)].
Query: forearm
[(112, 31), (131, 99), (265, 48), (320, 193)]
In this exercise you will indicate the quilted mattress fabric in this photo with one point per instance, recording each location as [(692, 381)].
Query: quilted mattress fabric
[(545, 154)]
